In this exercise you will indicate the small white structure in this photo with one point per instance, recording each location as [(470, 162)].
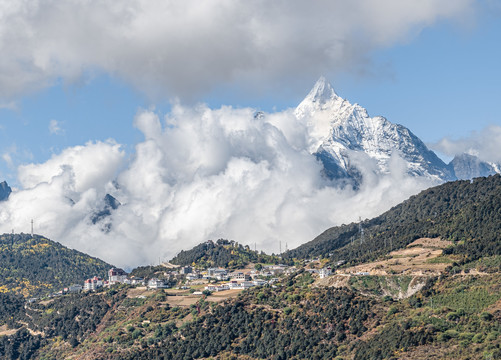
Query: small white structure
[(221, 287), (246, 284), (75, 288), (137, 281), (155, 283), (324, 272), (193, 276), (260, 282), (240, 285), (362, 273), (237, 276)]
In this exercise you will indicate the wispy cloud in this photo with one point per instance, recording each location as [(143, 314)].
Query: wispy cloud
[(183, 48), (55, 128), (7, 157)]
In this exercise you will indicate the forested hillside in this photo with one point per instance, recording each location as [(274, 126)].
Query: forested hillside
[(466, 212), (222, 253), (452, 317), (35, 265)]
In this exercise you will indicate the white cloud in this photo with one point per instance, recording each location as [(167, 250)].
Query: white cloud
[(185, 48), (7, 158), (484, 144), (199, 174), (55, 127), (91, 166)]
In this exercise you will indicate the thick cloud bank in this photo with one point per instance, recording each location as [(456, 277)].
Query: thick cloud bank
[(199, 174), (184, 47)]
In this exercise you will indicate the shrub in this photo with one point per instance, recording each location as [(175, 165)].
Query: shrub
[(478, 338), (136, 334), (392, 310), (486, 316)]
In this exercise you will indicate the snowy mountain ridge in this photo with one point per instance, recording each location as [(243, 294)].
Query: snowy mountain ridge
[(348, 141)]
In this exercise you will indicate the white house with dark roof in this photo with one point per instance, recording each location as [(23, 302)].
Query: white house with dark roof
[(116, 276)]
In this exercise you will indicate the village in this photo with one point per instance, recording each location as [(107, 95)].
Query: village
[(198, 281), (187, 277)]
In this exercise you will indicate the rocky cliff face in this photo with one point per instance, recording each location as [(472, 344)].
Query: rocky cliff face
[(5, 191)]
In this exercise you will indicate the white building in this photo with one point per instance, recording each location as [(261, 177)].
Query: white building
[(193, 276), (221, 287), (93, 284), (238, 276), (137, 281), (156, 284), (75, 288), (260, 282), (116, 276), (324, 272)]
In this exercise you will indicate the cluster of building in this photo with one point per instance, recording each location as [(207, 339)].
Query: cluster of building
[(241, 280), (116, 276), (221, 274)]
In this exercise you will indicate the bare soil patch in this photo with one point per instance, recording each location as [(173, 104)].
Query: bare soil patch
[(223, 295), (336, 281), (412, 260), (431, 243), (182, 300), (5, 331), (138, 291)]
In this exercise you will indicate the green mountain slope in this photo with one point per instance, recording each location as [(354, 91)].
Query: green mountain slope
[(466, 212), (222, 253), (33, 266), (452, 317)]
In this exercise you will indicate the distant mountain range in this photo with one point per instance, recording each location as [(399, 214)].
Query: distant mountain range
[(349, 142)]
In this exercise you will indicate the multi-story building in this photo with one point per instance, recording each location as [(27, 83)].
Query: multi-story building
[(93, 283), (116, 275)]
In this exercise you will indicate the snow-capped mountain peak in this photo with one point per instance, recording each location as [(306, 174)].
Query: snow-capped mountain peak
[(339, 132), (321, 92)]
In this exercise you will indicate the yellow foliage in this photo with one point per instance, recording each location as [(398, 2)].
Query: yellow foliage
[(40, 246)]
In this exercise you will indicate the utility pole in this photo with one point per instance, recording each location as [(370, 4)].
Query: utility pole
[(280, 247), (361, 229), (31, 227)]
